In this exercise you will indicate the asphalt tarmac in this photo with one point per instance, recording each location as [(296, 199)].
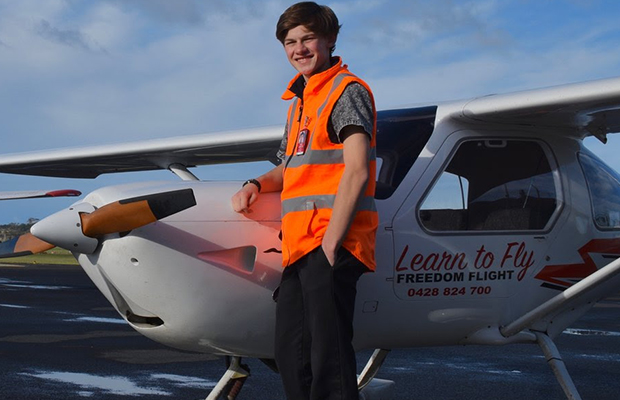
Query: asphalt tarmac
[(60, 339)]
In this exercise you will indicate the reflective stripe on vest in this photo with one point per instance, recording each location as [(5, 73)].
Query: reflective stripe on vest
[(306, 203), (335, 84), (318, 157), (291, 115)]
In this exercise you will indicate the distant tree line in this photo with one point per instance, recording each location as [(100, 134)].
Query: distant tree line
[(9, 231)]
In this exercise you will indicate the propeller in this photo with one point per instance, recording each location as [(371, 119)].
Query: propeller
[(23, 245), (126, 215), (79, 227), (34, 194)]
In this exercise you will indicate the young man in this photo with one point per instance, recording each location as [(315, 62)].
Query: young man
[(329, 220)]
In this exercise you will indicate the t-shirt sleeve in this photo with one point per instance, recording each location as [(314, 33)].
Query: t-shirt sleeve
[(281, 154), (354, 107)]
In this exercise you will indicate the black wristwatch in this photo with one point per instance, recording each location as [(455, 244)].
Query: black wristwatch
[(253, 181)]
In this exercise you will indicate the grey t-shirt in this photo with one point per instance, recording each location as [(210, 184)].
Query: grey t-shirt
[(354, 107)]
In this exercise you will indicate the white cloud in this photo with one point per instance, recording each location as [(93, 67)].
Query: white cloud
[(113, 70), (147, 82), (112, 28)]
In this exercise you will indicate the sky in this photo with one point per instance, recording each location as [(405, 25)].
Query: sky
[(80, 73)]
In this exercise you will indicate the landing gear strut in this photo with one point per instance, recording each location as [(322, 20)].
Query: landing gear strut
[(554, 359), (369, 387), (372, 367), (232, 381)]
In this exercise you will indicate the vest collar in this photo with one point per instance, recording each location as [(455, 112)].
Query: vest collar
[(298, 86)]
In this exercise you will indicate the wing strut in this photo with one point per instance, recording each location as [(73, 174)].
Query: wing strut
[(539, 320), (182, 172), (592, 288)]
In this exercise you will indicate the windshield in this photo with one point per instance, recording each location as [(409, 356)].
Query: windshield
[(401, 136), (604, 186)]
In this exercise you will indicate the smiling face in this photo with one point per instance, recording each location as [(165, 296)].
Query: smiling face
[(308, 52)]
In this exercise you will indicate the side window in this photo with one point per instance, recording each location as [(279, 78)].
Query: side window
[(492, 185), (449, 193), (604, 187)]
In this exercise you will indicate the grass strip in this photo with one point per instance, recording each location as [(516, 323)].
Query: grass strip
[(54, 256)]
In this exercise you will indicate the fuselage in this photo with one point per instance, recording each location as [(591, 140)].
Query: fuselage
[(478, 225)]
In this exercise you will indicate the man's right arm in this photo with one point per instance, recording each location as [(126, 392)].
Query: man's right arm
[(247, 195)]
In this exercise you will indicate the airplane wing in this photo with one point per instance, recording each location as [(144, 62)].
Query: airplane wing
[(590, 108), (189, 151)]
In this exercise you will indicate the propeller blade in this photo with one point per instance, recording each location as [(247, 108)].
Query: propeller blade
[(128, 214), (34, 194), (23, 245)]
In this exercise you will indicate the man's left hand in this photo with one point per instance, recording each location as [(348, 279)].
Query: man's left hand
[(330, 254)]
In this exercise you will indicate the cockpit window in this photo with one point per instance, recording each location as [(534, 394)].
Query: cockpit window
[(604, 186), (401, 136), (492, 185)]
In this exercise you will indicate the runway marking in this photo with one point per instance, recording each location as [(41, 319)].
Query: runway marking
[(90, 385), (465, 365), (98, 319), (14, 284), (589, 332), (600, 357), (32, 286), (186, 381), (117, 385), (13, 306), (8, 281)]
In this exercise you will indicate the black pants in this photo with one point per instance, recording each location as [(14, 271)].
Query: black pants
[(314, 327)]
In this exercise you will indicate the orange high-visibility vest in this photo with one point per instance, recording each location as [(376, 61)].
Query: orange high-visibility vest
[(312, 172)]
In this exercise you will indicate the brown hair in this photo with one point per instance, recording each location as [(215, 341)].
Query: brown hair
[(318, 19)]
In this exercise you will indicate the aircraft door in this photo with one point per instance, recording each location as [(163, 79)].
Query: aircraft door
[(477, 221)]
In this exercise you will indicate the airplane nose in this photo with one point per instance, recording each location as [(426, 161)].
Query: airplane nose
[(64, 229)]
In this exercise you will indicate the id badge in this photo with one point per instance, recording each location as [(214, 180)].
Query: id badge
[(302, 142)]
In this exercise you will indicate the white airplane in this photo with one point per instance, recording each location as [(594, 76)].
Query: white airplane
[(497, 226)]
